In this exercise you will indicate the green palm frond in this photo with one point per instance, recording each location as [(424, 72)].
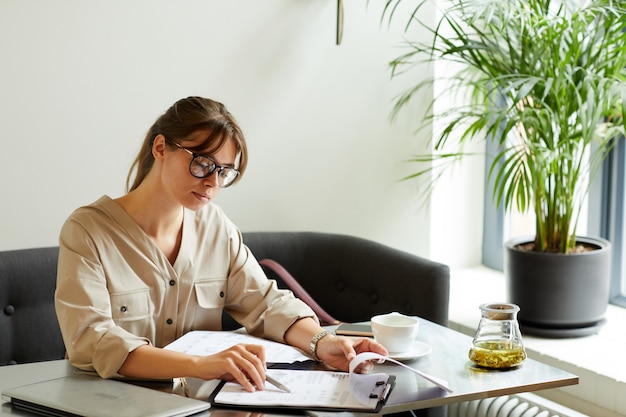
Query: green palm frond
[(545, 80)]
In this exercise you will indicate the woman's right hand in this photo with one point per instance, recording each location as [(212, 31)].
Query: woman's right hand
[(242, 363)]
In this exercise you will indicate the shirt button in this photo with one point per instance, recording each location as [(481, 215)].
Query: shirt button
[(170, 321), (222, 294), (123, 309), (172, 282)]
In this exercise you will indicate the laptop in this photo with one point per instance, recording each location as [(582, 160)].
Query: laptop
[(91, 396)]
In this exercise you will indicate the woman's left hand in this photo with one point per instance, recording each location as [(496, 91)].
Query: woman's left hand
[(338, 351)]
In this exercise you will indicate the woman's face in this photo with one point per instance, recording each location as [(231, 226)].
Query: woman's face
[(191, 192)]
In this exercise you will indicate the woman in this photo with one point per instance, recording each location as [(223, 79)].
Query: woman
[(139, 271)]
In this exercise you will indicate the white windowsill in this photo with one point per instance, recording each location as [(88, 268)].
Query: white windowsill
[(599, 360)]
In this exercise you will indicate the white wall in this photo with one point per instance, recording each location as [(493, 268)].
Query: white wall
[(82, 80)]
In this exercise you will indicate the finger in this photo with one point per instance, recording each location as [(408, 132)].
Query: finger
[(369, 345), (258, 351), (254, 376), (347, 346), (339, 352), (239, 376), (255, 354), (251, 364), (364, 367)]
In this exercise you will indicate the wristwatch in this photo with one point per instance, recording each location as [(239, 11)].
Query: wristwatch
[(313, 345)]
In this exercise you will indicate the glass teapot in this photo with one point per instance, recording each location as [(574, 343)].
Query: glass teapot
[(498, 341)]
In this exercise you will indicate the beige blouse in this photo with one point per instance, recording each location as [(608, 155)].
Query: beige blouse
[(117, 291)]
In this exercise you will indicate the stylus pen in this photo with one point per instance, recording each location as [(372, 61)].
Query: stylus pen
[(276, 383)]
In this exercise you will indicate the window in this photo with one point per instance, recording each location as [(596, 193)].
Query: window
[(611, 189)]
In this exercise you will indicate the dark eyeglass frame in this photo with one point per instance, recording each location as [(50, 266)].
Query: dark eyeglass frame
[(221, 170)]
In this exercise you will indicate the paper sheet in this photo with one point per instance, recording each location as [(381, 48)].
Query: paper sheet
[(204, 342), (371, 356), (310, 389)]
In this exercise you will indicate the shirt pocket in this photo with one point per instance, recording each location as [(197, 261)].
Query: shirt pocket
[(130, 306), (210, 297), (211, 293)]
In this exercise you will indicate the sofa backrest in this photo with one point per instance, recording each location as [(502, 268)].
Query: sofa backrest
[(29, 330), (354, 279), (351, 278)]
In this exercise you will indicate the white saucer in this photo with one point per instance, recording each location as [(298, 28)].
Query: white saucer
[(418, 349)]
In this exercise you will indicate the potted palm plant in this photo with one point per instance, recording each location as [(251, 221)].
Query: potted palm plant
[(543, 81)]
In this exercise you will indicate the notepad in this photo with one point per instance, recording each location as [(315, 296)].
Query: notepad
[(311, 390)]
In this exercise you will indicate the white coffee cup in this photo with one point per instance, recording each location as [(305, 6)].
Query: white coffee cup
[(395, 331)]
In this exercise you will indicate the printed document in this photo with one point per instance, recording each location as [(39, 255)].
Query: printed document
[(204, 342), (313, 390)]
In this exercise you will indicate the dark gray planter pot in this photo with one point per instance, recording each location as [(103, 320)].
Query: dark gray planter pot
[(559, 295)]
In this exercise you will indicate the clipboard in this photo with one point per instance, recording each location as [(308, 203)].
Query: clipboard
[(310, 390)]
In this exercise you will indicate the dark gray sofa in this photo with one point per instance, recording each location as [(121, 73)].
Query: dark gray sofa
[(354, 278), (29, 331), (351, 278)]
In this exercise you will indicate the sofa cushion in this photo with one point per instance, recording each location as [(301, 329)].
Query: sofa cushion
[(30, 331)]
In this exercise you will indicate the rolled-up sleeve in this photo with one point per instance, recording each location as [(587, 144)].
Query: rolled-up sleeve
[(83, 304), (256, 302)]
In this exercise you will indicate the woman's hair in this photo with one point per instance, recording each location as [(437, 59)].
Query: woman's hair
[(180, 121)]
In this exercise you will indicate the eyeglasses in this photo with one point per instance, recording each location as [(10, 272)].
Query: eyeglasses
[(201, 166)]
